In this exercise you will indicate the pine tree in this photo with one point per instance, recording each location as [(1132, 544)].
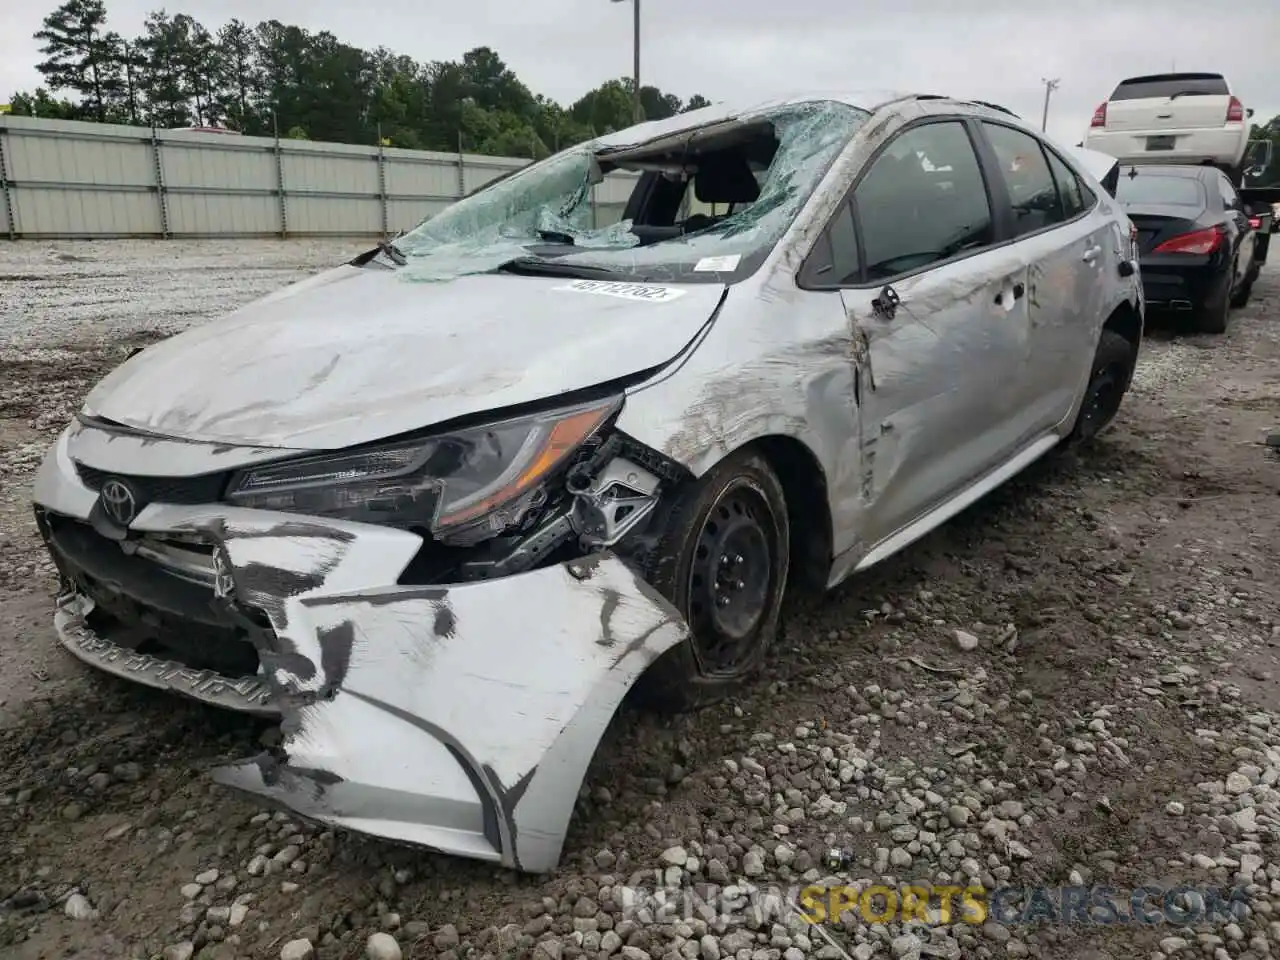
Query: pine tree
[(81, 55)]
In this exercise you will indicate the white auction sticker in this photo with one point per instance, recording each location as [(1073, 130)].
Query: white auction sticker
[(723, 264), (627, 291)]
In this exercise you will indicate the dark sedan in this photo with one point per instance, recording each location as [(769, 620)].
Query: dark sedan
[(1195, 240)]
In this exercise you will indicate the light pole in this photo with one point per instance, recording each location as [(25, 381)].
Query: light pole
[(1049, 87), (636, 113)]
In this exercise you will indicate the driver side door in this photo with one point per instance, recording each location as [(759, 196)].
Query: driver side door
[(939, 308)]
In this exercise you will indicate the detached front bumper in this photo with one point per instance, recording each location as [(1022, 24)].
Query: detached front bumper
[(457, 717)]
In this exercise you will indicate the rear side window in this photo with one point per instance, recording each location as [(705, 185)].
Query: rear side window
[(1230, 199), (1076, 197), (1032, 190), (1156, 189), (922, 201), (1166, 85)]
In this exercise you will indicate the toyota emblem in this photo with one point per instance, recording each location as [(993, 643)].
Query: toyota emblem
[(118, 501)]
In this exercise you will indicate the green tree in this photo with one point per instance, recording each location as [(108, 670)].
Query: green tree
[(166, 85), (238, 78), (655, 104), (40, 104), (1270, 175), (83, 56), (277, 78), (606, 108)]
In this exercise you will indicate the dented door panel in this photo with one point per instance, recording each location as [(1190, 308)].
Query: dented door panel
[(939, 409), (1065, 301)]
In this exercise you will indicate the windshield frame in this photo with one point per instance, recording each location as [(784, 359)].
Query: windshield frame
[(810, 136)]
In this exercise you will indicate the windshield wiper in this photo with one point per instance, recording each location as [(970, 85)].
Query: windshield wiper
[(535, 267)]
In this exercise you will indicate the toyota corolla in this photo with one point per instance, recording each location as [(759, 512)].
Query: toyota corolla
[(439, 509)]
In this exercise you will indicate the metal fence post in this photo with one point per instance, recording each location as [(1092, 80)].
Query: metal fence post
[(161, 195), (382, 186), (5, 186), (462, 172), (284, 206)]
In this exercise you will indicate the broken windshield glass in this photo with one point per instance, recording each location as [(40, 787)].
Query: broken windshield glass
[(549, 204)]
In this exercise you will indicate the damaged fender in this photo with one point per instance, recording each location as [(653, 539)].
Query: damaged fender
[(461, 718)]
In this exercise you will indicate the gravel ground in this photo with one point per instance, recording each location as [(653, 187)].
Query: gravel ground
[(1072, 683)]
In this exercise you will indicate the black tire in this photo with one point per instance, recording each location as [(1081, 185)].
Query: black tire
[(1108, 381), (732, 522), (1241, 297), (1211, 316)]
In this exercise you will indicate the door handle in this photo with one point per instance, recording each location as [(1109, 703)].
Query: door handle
[(1091, 254)]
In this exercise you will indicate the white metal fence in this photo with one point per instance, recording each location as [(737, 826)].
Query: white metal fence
[(72, 180)]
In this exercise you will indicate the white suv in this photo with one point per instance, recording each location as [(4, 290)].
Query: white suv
[(1173, 118)]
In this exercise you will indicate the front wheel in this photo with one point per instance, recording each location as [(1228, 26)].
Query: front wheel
[(1108, 379), (722, 560)]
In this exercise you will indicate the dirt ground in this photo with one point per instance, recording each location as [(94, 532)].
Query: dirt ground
[(1118, 722)]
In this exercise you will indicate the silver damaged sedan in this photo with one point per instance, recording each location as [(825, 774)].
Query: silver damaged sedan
[(439, 509)]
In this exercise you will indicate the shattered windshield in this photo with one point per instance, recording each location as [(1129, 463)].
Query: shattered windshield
[(716, 201)]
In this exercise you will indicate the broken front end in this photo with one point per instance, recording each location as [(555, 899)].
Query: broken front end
[(444, 625)]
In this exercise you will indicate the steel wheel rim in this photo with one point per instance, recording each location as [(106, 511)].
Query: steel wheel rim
[(1104, 399), (731, 579)]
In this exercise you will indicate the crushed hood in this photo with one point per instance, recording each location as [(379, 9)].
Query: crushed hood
[(353, 355)]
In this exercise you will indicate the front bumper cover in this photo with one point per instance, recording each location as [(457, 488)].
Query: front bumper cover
[(461, 718)]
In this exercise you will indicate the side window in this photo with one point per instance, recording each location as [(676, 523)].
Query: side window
[(1076, 197), (1032, 191), (1230, 199), (923, 200)]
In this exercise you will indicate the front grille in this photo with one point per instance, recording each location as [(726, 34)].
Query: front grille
[(207, 488)]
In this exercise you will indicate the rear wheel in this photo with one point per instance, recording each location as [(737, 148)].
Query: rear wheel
[(722, 561), (1241, 296), (1211, 316), (1108, 380)]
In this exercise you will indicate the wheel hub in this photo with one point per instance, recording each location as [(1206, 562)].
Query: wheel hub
[(729, 581), (1103, 396)]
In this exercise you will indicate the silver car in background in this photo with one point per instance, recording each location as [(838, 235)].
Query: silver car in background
[(441, 508)]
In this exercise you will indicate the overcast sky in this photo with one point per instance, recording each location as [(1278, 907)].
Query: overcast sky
[(996, 50)]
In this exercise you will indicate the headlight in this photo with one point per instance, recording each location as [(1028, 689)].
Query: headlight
[(484, 475)]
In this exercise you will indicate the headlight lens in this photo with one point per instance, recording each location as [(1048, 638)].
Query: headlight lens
[(483, 475)]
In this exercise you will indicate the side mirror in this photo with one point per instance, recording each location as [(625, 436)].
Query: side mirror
[(1249, 112)]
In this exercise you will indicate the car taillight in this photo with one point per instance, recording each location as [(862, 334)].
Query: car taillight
[(1099, 116), (1235, 111), (1255, 223), (1197, 242)]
